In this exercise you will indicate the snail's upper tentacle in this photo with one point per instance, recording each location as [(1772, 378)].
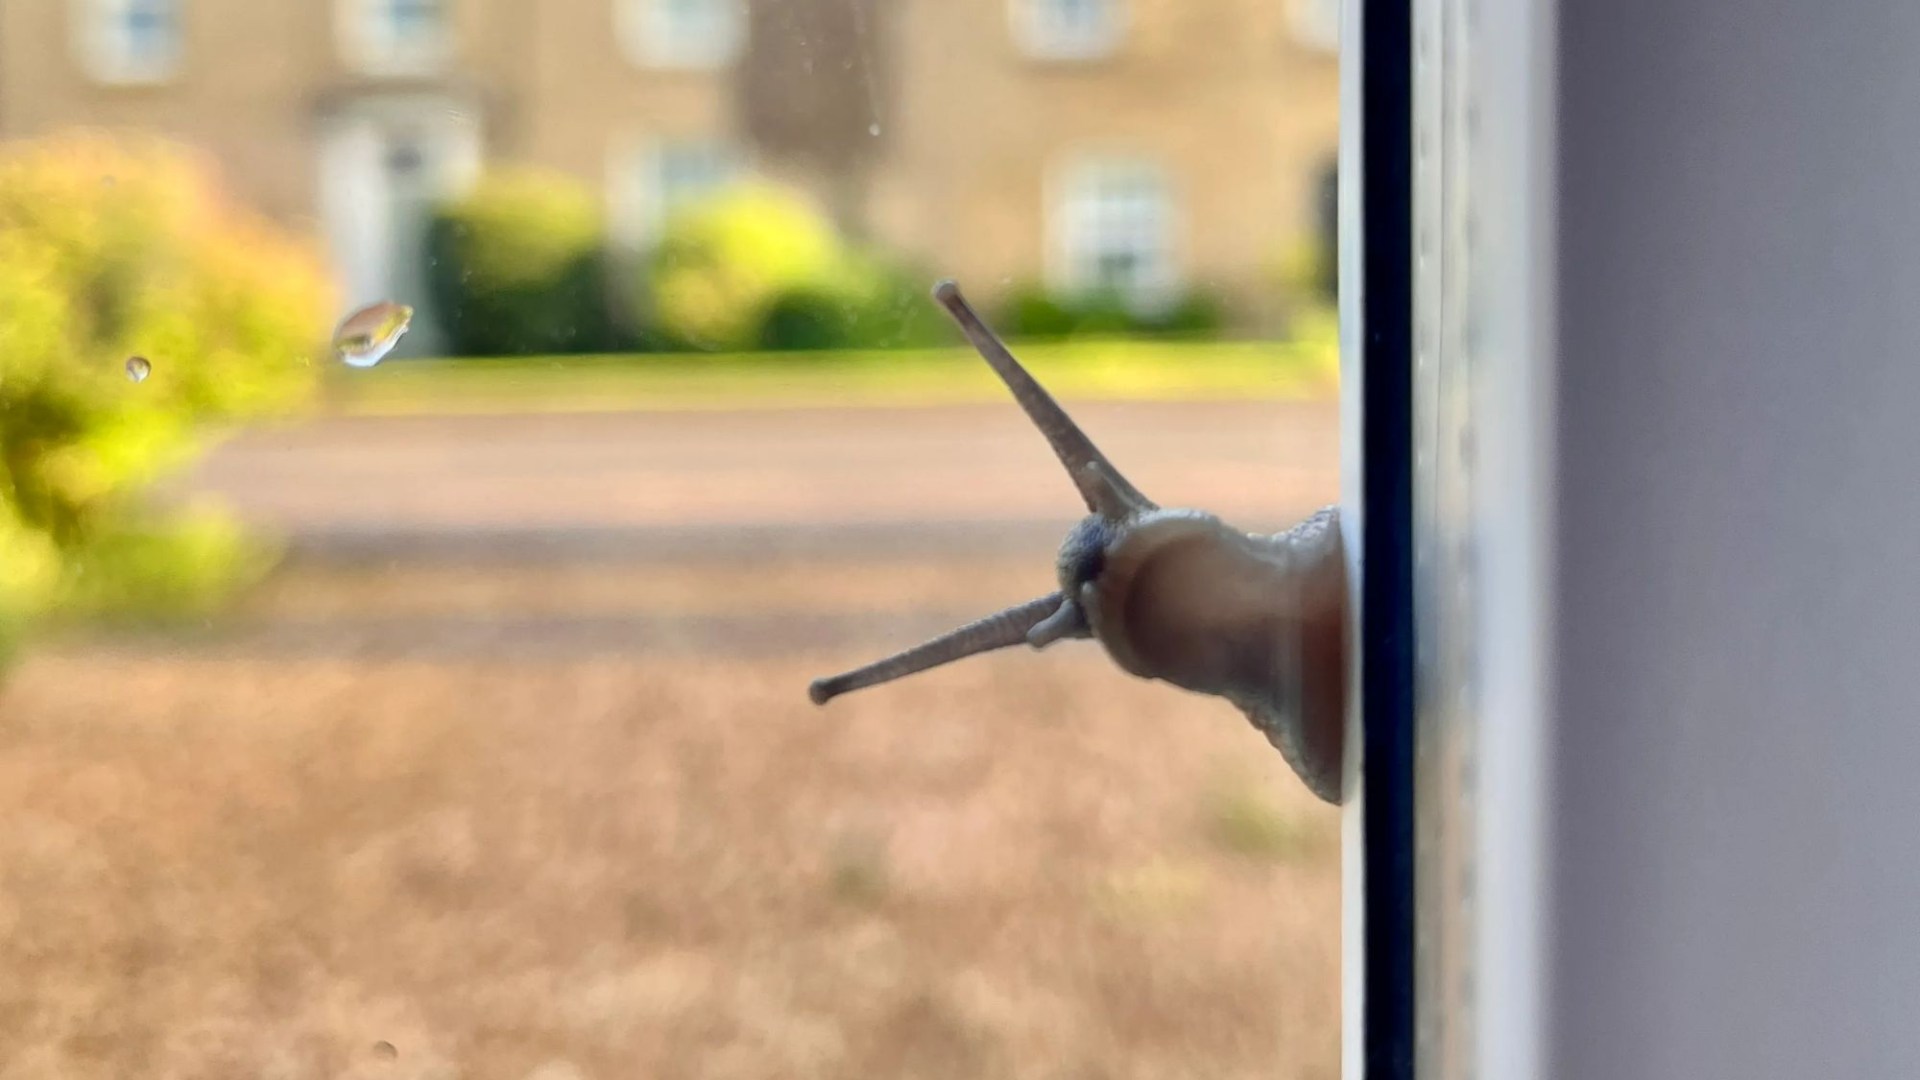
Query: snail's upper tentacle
[(1069, 443)]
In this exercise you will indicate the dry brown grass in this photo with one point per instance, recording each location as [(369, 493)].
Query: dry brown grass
[(655, 867), (866, 584)]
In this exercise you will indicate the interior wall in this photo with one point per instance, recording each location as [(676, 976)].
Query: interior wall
[(1736, 699)]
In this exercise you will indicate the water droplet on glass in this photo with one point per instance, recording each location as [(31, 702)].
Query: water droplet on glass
[(384, 1049), (874, 130), (138, 369), (370, 334)]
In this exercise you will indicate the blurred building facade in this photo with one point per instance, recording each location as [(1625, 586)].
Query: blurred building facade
[(1146, 146)]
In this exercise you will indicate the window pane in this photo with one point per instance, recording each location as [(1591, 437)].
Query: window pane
[(1068, 29), (395, 37), (686, 172), (664, 177), (404, 666), (1116, 235), (132, 40), (413, 20), (685, 33)]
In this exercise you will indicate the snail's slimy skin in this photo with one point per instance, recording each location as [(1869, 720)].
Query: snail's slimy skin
[(1181, 597)]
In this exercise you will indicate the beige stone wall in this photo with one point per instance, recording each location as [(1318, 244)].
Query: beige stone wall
[(1217, 92), (247, 107), (1221, 92), (583, 97)]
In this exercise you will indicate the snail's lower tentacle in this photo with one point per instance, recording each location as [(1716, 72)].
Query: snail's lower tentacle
[(997, 631)]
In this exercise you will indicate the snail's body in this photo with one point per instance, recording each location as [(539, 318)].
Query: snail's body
[(1175, 595), (1258, 620)]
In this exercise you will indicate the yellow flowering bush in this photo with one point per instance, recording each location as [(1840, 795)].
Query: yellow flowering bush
[(109, 250), (724, 259)]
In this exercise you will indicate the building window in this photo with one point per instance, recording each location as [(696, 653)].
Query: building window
[(695, 34), (129, 41), (665, 177), (1069, 29), (395, 37), (1114, 224), (1317, 23)]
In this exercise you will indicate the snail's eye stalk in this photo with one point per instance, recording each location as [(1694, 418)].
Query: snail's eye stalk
[(998, 631), (1106, 492)]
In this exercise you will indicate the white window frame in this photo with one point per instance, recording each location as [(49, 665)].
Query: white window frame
[(652, 38), (107, 53), (639, 202), (369, 44), (1042, 33), (1076, 221)]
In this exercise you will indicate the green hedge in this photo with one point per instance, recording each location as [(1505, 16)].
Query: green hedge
[(871, 304), (517, 267), (759, 267), (723, 262), (1033, 311)]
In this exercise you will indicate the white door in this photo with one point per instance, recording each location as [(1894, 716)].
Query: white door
[(384, 167)]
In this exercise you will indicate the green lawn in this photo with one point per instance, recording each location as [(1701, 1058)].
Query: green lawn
[(1084, 370)]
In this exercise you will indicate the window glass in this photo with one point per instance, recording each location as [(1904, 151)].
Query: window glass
[(442, 441), (1317, 22), (683, 33), (129, 40), (1116, 224), (396, 37), (1069, 29), (665, 176)]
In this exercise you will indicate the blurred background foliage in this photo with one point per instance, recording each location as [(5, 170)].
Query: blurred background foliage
[(1032, 311), (517, 266), (520, 266), (722, 261), (757, 266), (111, 249), (115, 248), (446, 717)]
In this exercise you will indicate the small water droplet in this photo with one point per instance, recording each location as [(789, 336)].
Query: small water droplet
[(108, 180), (874, 130), (138, 369), (386, 1050), (368, 335)]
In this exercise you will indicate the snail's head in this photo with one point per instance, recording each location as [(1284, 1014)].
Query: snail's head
[(1116, 506), (1171, 594)]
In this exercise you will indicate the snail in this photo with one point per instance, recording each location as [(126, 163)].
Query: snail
[(1173, 595)]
